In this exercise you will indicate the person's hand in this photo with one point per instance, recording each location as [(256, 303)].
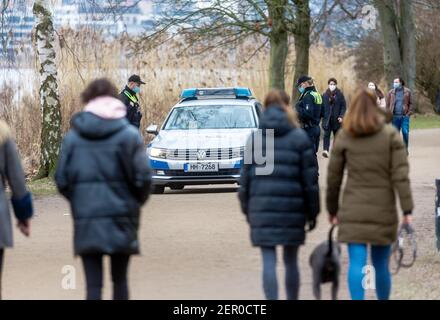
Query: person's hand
[(407, 219), (340, 120), (333, 219), (25, 227)]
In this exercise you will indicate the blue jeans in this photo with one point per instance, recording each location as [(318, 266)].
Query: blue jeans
[(270, 283), (357, 254), (402, 124)]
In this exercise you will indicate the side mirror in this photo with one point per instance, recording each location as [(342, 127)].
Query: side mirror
[(153, 129)]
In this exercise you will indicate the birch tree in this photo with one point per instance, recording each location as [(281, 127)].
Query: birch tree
[(49, 97)]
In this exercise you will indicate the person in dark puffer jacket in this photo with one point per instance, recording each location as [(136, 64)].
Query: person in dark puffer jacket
[(11, 171), (103, 171), (279, 205)]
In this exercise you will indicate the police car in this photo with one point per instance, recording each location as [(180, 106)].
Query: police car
[(202, 139)]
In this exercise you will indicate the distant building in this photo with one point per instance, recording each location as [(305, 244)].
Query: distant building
[(16, 33), (127, 16)]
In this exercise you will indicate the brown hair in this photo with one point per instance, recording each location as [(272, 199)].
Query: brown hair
[(363, 116), (379, 92), (282, 99), (98, 88)]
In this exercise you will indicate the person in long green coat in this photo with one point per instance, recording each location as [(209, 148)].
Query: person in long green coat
[(374, 157)]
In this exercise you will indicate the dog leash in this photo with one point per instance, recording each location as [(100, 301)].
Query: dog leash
[(406, 239)]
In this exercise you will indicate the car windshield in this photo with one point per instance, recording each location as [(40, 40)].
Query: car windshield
[(211, 117)]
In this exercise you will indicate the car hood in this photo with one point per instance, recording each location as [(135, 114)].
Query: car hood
[(201, 139)]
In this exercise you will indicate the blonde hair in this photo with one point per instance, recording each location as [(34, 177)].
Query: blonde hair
[(282, 99), (363, 116)]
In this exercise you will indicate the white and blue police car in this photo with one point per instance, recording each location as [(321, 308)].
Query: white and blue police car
[(203, 137)]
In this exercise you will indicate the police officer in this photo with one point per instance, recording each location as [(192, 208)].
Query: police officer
[(309, 109), (129, 97)]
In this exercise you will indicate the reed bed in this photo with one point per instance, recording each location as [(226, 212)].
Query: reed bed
[(83, 56)]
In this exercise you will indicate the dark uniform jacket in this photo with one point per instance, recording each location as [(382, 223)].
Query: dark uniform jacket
[(308, 107), (131, 101)]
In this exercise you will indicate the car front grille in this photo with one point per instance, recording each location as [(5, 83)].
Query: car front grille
[(205, 154), (220, 172)]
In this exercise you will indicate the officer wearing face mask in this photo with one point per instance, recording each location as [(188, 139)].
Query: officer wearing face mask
[(308, 108), (129, 97)]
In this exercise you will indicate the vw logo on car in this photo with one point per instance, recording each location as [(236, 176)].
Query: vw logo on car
[(201, 154)]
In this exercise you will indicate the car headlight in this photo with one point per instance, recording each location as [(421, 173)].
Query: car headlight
[(158, 153)]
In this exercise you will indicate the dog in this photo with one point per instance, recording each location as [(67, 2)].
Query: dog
[(326, 266)]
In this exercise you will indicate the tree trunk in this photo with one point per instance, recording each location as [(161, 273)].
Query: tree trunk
[(278, 44), (392, 56), (302, 42), (49, 98), (409, 45), (278, 56)]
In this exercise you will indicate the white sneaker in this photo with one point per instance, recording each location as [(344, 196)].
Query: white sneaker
[(325, 154)]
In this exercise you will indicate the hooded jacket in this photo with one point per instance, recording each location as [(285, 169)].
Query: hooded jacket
[(377, 169), (11, 172), (277, 205), (103, 172)]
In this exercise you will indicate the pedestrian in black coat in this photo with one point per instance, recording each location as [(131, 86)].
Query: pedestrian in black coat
[(333, 111), (103, 172), (278, 205)]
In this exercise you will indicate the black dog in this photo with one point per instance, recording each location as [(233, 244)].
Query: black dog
[(325, 263)]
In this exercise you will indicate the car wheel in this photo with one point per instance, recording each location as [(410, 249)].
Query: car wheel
[(177, 187), (158, 189)]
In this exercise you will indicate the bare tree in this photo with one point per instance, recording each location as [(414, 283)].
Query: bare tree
[(49, 97), (399, 38), (302, 40), (224, 22)]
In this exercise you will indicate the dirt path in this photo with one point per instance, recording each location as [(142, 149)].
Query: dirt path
[(195, 245)]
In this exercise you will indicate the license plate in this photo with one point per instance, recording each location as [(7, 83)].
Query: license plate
[(201, 167)]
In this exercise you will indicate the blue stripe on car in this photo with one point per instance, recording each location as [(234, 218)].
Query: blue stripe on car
[(237, 165), (157, 164)]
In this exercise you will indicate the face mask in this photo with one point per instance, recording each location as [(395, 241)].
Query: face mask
[(137, 89), (396, 85), (332, 87), (301, 89), (372, 87)]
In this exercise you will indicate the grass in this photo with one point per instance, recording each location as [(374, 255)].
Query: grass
[(42, 187), (425, 122)]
